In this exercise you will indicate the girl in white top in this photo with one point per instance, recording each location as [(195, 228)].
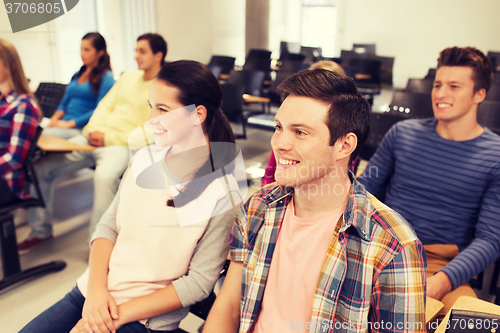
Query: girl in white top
[(160, 246)]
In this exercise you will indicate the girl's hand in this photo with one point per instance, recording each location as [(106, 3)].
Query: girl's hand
[(55, 118), (99, 312), (65, 124), (78, 328)]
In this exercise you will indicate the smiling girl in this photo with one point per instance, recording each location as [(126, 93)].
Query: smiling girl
[(160, 246)]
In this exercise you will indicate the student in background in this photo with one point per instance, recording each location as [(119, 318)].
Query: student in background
[(123, 108), (86, 89), (145, 268), (271, 164), (443, 176), (328, 64), (19, 118)]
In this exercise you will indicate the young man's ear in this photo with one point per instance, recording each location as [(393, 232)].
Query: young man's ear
[(347, 145), (159, 57), (479, 96)]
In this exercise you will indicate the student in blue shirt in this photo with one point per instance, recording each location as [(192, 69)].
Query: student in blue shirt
[(87, 87)]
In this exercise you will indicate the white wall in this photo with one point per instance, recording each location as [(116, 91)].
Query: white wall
[(229, 29), (197, 29), (187, 27), (34, 48), (50, 52), (110, 26), (415, 31)]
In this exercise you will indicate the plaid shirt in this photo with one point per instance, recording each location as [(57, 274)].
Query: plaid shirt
[(373, 277), (19, 118)]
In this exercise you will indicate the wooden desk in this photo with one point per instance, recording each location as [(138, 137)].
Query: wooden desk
[(361, 76), (432, 308), (255, 99), (59, 145), (472, 304)]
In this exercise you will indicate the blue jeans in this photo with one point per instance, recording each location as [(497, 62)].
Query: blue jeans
[(63, 316), (64, 133)]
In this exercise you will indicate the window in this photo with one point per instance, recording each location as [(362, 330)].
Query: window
[(319, 25), (310, 23), (138, 18)]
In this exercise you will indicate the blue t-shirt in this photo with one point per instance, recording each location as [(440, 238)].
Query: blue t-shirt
[(79, 101), (449, 191)]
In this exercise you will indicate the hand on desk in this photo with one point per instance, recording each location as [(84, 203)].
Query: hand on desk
[(63, 124), (96, 139), (438, 285), (55, 118)]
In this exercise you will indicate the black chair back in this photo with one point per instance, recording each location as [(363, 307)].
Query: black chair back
[(273, 93), (495, 60), (494, 288), (488, 114), (493, 93), (292, 66), (11, 265), (250, 79), (312, 53), (289, 47), (431, 74), (224, 62), (380, 123), (216, 70), (387, 63), (232, 105), (411, 105), (364, 48), (496, 78), (49, 96), (31, 177), (423, 86), (259, 60), (292, 56), (369, 67)]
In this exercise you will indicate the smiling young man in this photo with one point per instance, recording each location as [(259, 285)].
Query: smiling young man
[(315, 252), (443, 176), (123, 108)]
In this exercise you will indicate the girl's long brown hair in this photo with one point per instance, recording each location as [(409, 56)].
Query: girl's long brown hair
[(10, 59)]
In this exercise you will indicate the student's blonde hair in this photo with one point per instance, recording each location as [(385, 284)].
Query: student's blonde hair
[(329, 65), (10, 59)]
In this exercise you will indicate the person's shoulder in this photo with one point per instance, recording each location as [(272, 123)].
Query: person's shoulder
[(132, 74), (108, 75), (27, 101), (74, 78), (491, 137), (391, 222), (421, 125)]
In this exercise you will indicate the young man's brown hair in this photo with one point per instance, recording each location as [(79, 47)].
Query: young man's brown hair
[(157, 44), (469, 57), (349, 111)]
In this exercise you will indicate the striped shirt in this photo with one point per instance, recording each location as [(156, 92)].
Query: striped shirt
[(19, 118), (373, 275), (449, 191)]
